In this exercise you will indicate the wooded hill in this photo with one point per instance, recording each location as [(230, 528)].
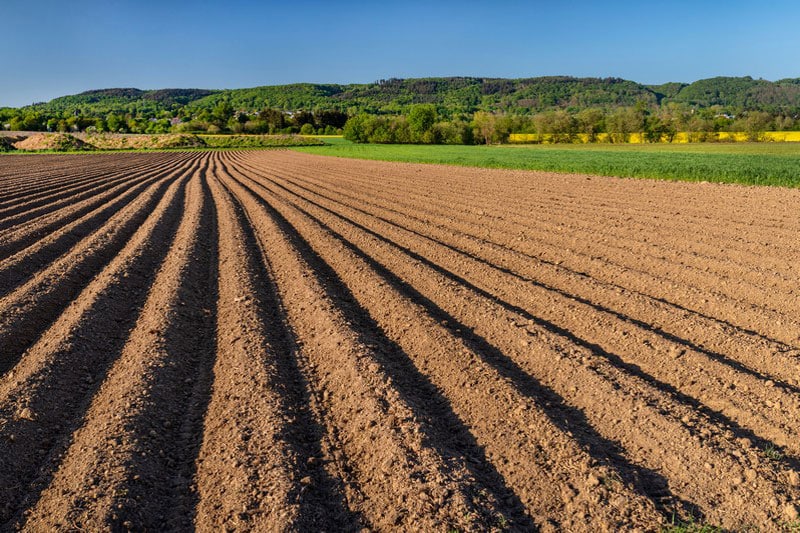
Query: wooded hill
[(451, 96)]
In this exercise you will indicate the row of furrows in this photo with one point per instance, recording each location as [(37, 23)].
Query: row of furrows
[(36, 172), (116, 176), (261, 462), (723, 431), (619, 210), (148, 425), (25, 175), (27, 212), (41, 241), (488, 457), (31, 306), (263, 458), (251, 346), (565, 250), (20, 171), (42, 163), (576, 498), (750, 354), (106, 386), (75, 177), (132, 459), (621, 226), (771, 211), (603, 290), (64, 329), (617, 225)]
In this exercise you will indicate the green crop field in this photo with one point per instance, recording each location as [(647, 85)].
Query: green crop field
[(776, 164)]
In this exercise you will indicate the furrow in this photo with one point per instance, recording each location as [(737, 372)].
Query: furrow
[(60, 187), (543, 224), (49, 178), (24, 213), (43, 245), (576, 198), (747, 396), (18, 237), (746, 317), (554, 224), (468, 236)]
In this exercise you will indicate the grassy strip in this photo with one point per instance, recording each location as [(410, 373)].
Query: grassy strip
[(751, 164), (258, 141)]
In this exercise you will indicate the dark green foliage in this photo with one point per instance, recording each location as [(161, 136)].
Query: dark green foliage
[(421, 119), (742, 93), (450, 95), (667, 90), (7, 143)]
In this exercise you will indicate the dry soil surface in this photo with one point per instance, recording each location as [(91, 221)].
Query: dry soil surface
[(271, 341)]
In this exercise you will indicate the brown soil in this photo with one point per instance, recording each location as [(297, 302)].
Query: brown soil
[(271, 341), (114, 141), (52, 141)]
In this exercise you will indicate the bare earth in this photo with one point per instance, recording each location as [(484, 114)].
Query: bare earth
[(271, 341)]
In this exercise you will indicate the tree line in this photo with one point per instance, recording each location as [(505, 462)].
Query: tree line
[(223, 118), (424, 125)]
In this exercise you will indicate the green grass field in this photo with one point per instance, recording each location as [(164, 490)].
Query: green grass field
[(776, 164)]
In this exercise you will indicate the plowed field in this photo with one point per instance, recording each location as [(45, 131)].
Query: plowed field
[(272, 340)]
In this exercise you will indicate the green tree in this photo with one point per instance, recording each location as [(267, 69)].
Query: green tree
[(222, 113), (623, 121), (355, 128), (756, 123), (114, 122), (273, 118), (591, 122), (421, 119), (16, 124), (484, 127)]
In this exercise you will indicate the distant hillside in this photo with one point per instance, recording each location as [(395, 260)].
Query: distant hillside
[(742, 93), (122, 100), (452, 96)]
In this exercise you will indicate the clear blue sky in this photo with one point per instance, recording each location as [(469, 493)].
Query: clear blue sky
[(52, 48)]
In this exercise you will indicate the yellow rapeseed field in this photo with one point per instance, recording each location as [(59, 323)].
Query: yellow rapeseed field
[(680, 137)]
